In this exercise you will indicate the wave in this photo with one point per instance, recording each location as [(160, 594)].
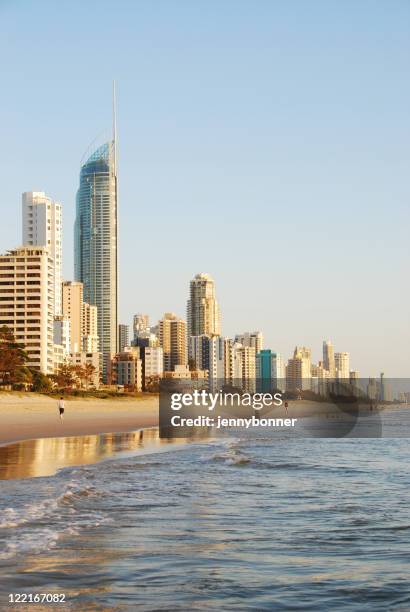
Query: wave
[(230, 457), (37, 526)]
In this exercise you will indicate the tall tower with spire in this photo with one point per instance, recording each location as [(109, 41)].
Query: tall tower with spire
[(96, 239)]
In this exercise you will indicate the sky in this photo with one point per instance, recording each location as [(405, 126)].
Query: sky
[(264, 142)]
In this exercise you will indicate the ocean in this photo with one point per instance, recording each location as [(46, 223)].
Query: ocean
[(242, 521)]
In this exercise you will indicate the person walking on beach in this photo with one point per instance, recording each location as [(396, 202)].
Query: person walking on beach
[(61, 408)]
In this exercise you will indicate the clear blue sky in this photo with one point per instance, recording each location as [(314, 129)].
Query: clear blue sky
[(264, 142)]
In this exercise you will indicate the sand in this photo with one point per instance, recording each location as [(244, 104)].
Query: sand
[(31, 416)]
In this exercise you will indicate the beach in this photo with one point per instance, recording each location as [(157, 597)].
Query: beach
[(29, 416)]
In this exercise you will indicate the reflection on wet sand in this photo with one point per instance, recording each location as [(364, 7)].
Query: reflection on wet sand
[(43, 457)]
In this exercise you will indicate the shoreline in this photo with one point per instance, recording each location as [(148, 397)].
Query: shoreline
[(35, 416)]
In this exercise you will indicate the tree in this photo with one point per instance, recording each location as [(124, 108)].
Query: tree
[(13, 357), (65, 376), (79, 374), (88, 374), (40, 382)]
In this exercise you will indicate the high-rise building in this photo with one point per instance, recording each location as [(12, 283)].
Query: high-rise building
[(123, 336), (89, 329), (240, 366), (233, 363), (342, 366), (83, 319), (140, 324), (202, 308), (27, 302), (254, 339), (72, 309), (42, 226), (298, 370), (208, 353), (329, 358), (173, 339), (270, 371), (95, 234), (62, 334)]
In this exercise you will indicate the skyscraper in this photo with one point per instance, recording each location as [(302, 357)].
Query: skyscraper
[(42, 226), (123, 337), (95, 242), (172, 338), (329, 358), (202, 309)]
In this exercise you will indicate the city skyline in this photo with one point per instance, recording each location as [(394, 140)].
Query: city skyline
[(303, 208)]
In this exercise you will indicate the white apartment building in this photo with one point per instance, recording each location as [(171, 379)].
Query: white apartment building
[(278, 372), (342, 366), (27, 302), (42, 226), (153, 362)]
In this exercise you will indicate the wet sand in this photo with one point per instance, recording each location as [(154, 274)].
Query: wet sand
[(31, 416)]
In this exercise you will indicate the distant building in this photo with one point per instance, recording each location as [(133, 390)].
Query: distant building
[(233, 363), (208, 353), (61, 337), (270, 372), (183, 372), (329, 358), (342, 366), (27, 303), (83, 319), (254, 339), (146, 338), (153, 362), (82, 358), (123, 336), (203, 313), (43, 226), (126, 369), (140, 324), (173, 339), (298, 370), (89, 329)]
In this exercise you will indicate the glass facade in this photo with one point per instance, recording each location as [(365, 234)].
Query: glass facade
[(95, 242)]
